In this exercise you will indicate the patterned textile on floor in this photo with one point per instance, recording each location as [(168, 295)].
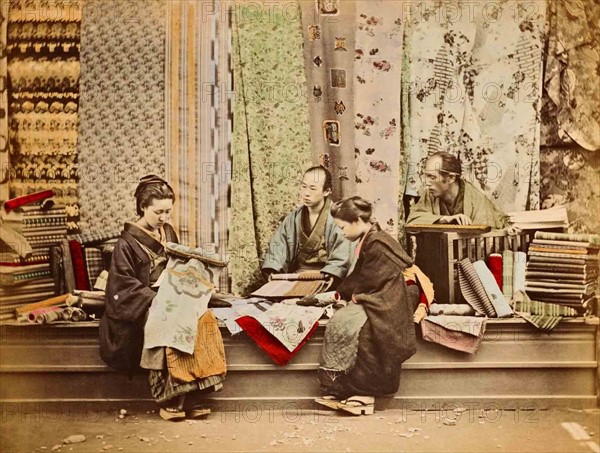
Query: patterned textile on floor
[(198, 123), (340, 346), (43, 70), (121, 129), (268, 343), (571, 88), (475, 80), (271, 133), (463, 333), (4, 142), (185, 289), (208, 358), (328, 29)]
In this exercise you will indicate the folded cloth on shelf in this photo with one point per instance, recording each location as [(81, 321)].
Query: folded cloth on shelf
[(463, 333), (519, 266), (507, 273), (472, 289), (494, 293), (542, 315)]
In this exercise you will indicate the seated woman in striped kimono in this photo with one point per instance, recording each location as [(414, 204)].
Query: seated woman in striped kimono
[(137, 262), (367, 340)]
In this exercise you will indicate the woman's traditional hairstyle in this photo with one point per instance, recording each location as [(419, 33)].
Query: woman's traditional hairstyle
[(351, 209), (151, 187)]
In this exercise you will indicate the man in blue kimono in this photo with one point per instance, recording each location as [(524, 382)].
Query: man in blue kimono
[(308, 239)]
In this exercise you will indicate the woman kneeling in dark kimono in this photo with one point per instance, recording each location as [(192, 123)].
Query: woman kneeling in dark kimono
[(367, 340), (137, 262)]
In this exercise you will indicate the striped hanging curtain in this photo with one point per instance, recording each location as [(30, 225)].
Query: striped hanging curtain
[(198, 123)]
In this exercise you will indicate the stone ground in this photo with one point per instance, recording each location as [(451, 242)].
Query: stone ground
[(42, 428)]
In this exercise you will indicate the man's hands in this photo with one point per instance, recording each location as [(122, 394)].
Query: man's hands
[(512, 230), (460, 219)]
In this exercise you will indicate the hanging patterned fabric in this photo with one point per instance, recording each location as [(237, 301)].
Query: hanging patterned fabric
[(328, 28), (122, 118), (198, 122), (475, 91), (377, 107), (43, 70), (571, 177), (271, 132), (571, 88), (4, 157)]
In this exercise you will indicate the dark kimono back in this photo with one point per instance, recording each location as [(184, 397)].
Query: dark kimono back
[(128, 298), (388, 336)]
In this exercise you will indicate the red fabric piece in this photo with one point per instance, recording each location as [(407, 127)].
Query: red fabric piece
[(495, 265), (422, 296), (268, 343), (82, 281), (26, 199)]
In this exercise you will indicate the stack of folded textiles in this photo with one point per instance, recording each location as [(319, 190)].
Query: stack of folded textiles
[(25, 275), (563, 269)]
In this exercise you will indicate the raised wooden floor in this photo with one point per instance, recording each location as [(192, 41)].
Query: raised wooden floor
[(515, 367)]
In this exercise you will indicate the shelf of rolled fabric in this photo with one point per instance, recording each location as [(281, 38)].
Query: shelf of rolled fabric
[(515, 364), (438, 255)]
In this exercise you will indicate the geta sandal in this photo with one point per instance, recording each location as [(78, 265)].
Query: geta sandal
[(171, 414), (358, 405)]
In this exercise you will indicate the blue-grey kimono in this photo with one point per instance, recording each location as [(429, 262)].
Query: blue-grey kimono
[(285, 253)]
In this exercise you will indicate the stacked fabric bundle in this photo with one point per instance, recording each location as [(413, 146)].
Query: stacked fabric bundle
[(28, 230), (89, 254), (563, 269)]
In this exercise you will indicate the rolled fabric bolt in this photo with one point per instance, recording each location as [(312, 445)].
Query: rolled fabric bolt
[(50, 317), (78, 315), (495, 265), (68, 313), (331, 297), (54, 301), (73, 300), (451, 309), (32, 315)]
